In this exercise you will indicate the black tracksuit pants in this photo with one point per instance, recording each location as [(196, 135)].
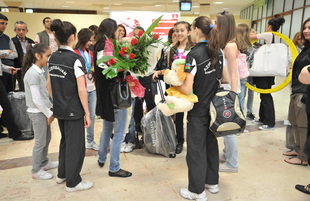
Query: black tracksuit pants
[(71, 150), (202, 154)]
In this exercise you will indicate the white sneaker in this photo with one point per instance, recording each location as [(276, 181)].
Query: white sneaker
[(225, 168), (129, 147), (50, 165), (60, 180), (41, 174), (92, 146), (123, 147), (83, 185), (212, 188), (185, 193)]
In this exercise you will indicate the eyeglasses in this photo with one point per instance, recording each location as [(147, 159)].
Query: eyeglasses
[(3, 23), (21, 30)]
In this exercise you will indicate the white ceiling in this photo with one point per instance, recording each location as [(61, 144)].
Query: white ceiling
[(104, 6)]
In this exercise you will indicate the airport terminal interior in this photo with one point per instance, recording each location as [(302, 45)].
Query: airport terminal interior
[(263, 175)]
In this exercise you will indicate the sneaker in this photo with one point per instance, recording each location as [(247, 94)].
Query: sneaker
[(43, 175), (83, 185), (92, 146), (60, 180), (185, 193), (225, 168), (250, 116), (129, 147), (50, 165), (123, 147), (212, 188), (257, 121), (265, 127)]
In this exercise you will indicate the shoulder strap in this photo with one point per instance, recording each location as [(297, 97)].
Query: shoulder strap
[(272, 38)]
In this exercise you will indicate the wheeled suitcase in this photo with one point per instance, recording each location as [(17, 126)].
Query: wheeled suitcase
[(159, 132), (18, 105)]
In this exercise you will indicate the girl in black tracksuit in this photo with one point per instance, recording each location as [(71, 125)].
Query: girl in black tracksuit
[(66, 84)]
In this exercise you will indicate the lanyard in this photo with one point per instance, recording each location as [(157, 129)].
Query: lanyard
[(203, 41), (88, 61)]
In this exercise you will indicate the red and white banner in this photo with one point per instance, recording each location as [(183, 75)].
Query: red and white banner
[(132, 19)]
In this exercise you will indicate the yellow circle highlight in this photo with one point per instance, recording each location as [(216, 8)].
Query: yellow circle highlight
[(289, 77)]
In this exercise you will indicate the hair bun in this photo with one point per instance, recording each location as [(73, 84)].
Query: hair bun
[(56, 25), (281, 20)]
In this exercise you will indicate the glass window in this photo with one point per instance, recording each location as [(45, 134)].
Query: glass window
[(260, 12), (278, 6), (251, 12), (259, 23), (306, 13), (255, 27), (288, 5), (307, 2), (269, 8), (296, 22), (286, 25), (255, 14), (264, 10), (298, 4), (263, 29)]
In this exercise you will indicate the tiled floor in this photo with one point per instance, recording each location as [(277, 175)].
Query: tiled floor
[(263, 175)]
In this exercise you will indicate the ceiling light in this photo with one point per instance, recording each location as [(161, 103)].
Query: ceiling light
[(28, 10), (117, 4), (106, 8), (195, 6), (65, 6), (225, 8), (72, 2), (218, 2), (5, 10), (196, 13), (158, 5), (175, 0)]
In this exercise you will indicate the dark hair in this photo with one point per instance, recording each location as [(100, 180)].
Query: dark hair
[(171, 31), (306, 42), (203, 23), (276, 23), (45, 19), (30, 58), (106, 28), (226, 28), (94, 28), (139, 27), (63, 30), (189, 43), (120, 25), (84, 36), (3, 17)]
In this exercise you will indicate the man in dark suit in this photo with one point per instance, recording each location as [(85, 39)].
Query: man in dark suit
[(20, 41)]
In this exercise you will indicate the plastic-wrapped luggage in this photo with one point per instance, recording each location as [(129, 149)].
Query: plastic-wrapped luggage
[(18, 105), (159, 132)]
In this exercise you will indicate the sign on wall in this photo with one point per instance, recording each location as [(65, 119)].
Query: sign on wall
[(132, 19), (259, 3)]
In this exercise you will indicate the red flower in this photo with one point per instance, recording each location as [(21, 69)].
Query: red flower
[(121, 52), (140, 33), (132, 55), (156, 36), (112, 61), (124, 49), (134, 42)]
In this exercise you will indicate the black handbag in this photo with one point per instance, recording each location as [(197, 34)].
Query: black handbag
[(120, 93), (225, 112)]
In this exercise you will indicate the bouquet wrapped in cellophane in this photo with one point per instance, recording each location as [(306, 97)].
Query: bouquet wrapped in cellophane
[(136, 55)]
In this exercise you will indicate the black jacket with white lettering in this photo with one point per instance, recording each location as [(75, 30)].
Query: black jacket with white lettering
[(66, 101)]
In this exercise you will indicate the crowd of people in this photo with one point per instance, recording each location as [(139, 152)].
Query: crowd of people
[(61, 78)]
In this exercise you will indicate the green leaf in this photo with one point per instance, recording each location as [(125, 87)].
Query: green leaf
[(153, 25)]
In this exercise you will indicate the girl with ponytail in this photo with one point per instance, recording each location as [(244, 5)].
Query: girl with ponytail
[(202, 64), (39, 105), (66, 85)]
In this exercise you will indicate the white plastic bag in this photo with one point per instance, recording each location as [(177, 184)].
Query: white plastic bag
[(270, 60)]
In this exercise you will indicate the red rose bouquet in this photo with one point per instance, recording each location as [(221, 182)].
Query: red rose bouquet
[(133, 54)]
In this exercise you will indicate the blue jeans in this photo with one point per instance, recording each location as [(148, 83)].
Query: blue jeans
[(130, 137), (119, 127), (249, 106), (92, 99), (242, 94), (231, 151)]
